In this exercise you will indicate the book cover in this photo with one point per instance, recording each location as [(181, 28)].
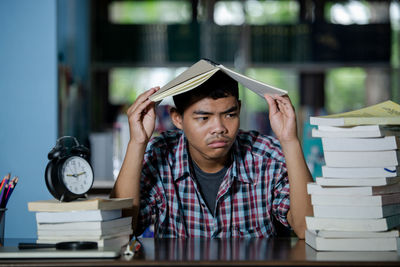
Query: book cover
[(77, 216), (200, 72), (355, 200), (346, 224), (385, 113), (362, 158), (350, 244), (365, 172), (361, 144), (356, 212), (316, 189), (372, 181), (80, 204)]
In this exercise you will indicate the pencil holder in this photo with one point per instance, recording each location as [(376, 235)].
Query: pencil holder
[(2, 224)]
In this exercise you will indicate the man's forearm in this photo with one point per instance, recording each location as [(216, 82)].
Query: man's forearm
[(128, 181), (299, 176)]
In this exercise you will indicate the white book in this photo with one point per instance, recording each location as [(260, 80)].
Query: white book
[(350, 244), (315, 189), (344, 224), (355, 200), (361, 144), (101, 225), (377, 181), (116, 241), (77, 216), (365, 172), (355, 234), (354, 212), (85, 237), (94, 233), (362, 159), (361, 131)]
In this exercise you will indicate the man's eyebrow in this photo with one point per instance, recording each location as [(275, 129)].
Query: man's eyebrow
[(202, 112)]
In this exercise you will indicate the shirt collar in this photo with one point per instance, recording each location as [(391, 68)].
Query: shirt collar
[(243, 163), (182, 167)]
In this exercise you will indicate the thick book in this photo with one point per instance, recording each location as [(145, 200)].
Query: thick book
[(350, 244), (385, 113), (201, 72), (355, 200), (356, 212), (361, 144), (115, 241), (81, 204), (77, 216), (80, 226), (345, 224), (372, 181), (360, 131), (95, 233), (365, 172), (315, 189), (362, 158)]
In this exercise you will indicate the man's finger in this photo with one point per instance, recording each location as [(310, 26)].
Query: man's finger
[(142, 98), (271, 103)]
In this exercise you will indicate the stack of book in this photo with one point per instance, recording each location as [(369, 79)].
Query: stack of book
[(98, 220), (357, 201)]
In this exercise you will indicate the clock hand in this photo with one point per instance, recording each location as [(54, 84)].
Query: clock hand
[(73, 175), (80, 173)]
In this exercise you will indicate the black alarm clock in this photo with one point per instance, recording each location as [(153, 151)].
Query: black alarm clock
[(68, 174)]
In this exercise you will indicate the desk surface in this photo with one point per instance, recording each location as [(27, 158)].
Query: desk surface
[(227, 252)]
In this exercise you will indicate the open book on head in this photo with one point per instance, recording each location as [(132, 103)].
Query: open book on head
[(201, 72)]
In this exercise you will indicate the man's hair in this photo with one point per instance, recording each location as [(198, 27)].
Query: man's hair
[(218, 86)]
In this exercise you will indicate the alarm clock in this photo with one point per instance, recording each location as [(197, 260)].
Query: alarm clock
[(68, 173)]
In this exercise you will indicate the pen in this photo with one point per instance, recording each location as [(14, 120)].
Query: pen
[(133, 246)]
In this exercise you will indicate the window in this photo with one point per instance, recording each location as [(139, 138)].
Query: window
[(255, 12), (150, 12)]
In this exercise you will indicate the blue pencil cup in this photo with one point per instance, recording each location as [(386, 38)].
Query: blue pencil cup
[(2, 224)]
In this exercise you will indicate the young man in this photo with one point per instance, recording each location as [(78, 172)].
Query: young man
[(208, 178)]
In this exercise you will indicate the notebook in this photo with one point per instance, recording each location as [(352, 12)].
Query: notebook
[(52, 253)]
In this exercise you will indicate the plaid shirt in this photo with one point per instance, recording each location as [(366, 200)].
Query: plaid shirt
[(254, 189)]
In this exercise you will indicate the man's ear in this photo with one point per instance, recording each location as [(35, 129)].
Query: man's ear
[(176, 118)]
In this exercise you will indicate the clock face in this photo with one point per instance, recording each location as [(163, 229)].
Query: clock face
[(77, 175)]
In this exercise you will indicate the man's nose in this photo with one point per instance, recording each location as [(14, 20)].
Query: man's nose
[(219, 126)]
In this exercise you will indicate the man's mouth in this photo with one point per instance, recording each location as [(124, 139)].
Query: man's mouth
[(218, 143)]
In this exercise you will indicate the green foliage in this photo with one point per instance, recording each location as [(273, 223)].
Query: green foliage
[(278, 78), (345, 89), (151, 11)]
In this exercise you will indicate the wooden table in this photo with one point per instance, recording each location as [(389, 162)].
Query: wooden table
[(226, 252)]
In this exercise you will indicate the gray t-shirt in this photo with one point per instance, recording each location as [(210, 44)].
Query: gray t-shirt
[(209, 184)]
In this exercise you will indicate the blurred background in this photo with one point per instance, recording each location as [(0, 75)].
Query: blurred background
[(72, 67)]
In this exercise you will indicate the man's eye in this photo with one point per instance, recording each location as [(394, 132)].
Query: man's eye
[(202, 118), (231, 115)]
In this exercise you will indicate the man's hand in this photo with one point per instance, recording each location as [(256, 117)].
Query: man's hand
[(142, 118), (282, 118)]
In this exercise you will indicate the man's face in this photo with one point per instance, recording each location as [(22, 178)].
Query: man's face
[(211, 126)]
